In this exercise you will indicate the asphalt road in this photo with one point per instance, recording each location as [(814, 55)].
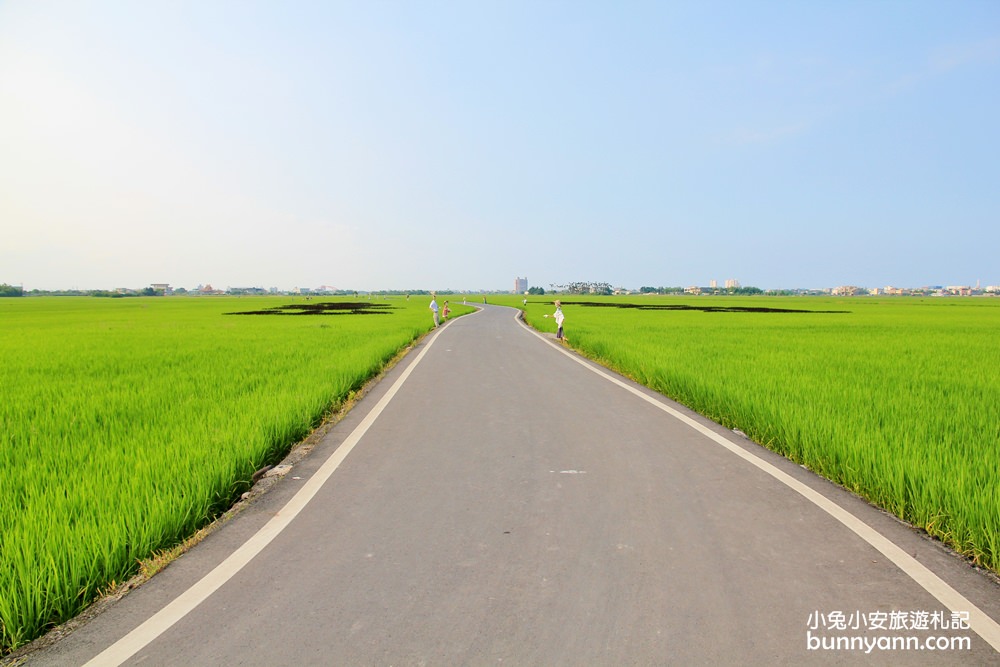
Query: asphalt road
[(505, 504)]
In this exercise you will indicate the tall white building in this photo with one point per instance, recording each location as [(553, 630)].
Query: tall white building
[(520, 285)]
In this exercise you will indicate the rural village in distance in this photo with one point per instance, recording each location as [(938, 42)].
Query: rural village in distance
[(728, 288)]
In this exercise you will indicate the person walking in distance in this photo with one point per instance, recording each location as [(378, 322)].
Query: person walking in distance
[(434, 308), (559, 318)]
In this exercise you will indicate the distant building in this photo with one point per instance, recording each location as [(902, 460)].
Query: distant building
[(520, 285), (732, 284), (161, 287)]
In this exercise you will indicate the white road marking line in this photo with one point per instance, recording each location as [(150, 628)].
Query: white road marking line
[(981, 623), (160, 622)]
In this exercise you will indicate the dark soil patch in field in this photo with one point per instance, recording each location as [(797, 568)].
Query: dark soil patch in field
[(325, 308), (704, 309)]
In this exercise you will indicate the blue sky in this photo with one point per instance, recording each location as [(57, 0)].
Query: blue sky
[(431, 145)]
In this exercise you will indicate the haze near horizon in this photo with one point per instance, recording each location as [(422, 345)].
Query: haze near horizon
[(457, 145)]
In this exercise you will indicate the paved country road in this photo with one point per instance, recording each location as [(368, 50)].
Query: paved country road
[(495, 501)]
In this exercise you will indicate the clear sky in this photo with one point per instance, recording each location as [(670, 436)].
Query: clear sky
[(428, 145)]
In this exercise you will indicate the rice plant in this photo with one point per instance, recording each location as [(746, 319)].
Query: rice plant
[(127, 424), (897, 400)]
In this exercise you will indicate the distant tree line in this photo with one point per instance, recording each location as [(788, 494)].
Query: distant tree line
[(737, 291), (145, 291), (5, 290), (584, 288), (740, 291), (661, 290)]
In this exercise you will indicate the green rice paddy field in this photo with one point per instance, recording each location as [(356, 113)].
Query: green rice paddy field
[(129, 423), (897, 400)]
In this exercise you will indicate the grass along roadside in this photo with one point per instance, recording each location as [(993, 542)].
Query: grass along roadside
[(158, 560), (131, 423), (895, 399)]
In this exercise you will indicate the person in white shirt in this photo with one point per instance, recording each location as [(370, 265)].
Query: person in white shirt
[(559, 318), (434, 308)]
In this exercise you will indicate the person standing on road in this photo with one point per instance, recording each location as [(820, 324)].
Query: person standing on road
[(445, 311), (559, 318), (434, 308)]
